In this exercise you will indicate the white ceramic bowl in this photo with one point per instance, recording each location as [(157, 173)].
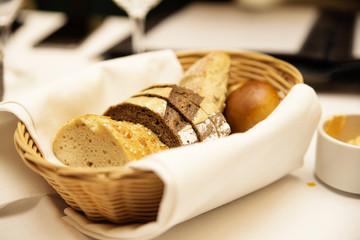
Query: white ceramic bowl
[(338, 162)]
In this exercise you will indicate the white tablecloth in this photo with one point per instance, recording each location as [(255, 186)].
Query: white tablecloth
[(291, 208)]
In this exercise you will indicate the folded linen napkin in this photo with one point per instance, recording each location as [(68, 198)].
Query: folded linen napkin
[(198, 177)]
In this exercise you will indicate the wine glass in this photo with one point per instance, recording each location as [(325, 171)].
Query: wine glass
[(137, 11), (8, 11)]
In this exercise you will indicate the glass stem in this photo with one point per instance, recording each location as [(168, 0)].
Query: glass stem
[(138, 33)]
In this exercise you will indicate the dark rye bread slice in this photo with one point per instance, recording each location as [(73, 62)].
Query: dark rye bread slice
[(157, 115), (179, 99), (204, 103)]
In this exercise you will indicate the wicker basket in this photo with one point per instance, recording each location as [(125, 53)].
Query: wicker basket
[(125, 195)]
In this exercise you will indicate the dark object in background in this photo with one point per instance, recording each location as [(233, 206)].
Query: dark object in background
[(84, 16), (77, 28), (155, 16), (325, 59)]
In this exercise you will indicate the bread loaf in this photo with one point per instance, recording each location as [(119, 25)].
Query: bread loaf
[(209, 77), (182, 100), (214, 114), (204, 106), (98, 141), (157, 115)]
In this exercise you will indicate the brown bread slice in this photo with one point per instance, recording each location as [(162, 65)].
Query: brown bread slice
[(204, 104), (157, 115), (178, 98)]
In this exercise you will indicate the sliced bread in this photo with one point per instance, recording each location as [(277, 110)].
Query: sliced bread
[(188, 103), (157, 115), (98, 141), (179, 99)]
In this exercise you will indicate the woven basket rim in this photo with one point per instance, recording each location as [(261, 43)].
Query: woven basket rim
[(245, 53), (33, 158)]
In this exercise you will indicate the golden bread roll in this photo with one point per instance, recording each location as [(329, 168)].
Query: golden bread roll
[(250, 104)]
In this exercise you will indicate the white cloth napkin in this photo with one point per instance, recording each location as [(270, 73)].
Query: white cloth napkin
[(197, 178)]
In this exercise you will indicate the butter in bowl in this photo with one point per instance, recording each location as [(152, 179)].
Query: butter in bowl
[(338, 152)]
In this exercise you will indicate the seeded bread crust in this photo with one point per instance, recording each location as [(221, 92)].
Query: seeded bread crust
[(157, 115), (178, 98), (98, 141)]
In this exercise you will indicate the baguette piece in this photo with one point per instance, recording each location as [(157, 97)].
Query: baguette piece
[(98, 141), (157, 115), (209, 77), (179, 99), (216, 116), (212, 111)]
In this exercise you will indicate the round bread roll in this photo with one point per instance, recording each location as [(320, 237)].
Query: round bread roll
[(250, 104)]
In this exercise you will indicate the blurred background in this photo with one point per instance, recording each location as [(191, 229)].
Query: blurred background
[(328, 55)]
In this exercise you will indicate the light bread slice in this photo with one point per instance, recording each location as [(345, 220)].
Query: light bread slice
[(157, 115), (98, 141)]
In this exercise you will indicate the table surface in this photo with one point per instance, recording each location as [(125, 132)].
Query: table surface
[(298, 206)]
